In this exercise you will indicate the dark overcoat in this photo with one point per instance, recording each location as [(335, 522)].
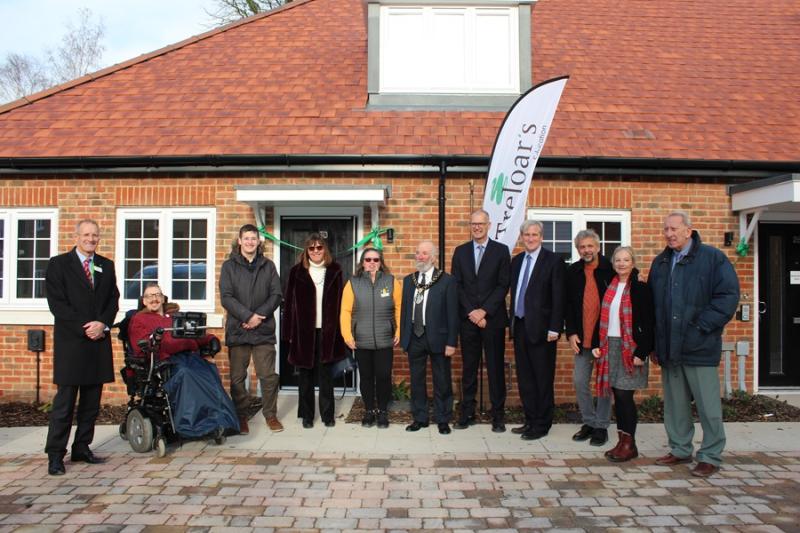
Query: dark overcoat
[(300, 316), (78, 360)]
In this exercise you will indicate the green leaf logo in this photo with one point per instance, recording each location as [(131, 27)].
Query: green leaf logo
[(498, 184)]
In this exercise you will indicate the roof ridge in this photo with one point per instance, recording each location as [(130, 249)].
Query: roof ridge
[(91, 76)]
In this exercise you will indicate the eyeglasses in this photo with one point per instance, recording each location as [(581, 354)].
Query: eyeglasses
[(372, 259), (317, 248), (154, 296), (478, 223)]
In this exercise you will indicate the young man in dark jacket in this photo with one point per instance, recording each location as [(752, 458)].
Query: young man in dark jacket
[(250, 289), (695, 292), (587, 281)]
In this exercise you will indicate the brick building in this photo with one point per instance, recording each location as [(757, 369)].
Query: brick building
[(344, 115)]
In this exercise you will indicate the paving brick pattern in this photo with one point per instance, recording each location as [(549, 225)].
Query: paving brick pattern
[(244, 491)]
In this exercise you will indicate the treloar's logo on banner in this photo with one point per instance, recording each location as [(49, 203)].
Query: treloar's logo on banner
[(516, 151)]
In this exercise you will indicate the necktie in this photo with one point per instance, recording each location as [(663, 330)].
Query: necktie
[(419, 298), (480, 256), (519, 309), (88, 271)]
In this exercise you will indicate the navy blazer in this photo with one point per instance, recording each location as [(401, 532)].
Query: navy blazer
[(488, 288), (544, 298), (441, 313)]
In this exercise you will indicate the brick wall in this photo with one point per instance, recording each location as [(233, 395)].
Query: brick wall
[(412, 212)]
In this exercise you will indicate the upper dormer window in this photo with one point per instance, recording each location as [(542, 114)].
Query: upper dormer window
[(448, 53), (449, 49)]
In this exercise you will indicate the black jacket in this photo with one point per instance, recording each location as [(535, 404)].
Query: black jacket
[(78, 360), (576, 283), (544, 298), (643, 316), (488, 288), (246, 290)]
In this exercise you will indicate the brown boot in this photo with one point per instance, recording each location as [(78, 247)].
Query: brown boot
[(244, 429), (626, 451), (615, 449)]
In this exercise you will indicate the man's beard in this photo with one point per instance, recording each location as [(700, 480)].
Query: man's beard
[(422, 266)]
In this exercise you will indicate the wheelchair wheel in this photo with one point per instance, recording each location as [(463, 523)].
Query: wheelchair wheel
[(140, 432), (219, 437), (160, 447), (123, 430)]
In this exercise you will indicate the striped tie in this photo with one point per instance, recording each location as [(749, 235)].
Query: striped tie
[(88, 271)]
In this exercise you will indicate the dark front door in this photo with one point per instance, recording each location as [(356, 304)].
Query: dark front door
[(779, 305), (340, 232)]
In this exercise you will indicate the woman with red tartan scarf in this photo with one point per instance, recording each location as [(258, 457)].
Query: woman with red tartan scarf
[(627, 337)]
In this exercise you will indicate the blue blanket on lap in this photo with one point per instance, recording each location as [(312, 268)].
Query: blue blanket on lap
[(200, 404)]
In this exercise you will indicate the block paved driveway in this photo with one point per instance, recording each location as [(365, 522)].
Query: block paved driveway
[(244, 490)]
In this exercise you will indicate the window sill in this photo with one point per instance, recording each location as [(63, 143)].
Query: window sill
[(43, 317)]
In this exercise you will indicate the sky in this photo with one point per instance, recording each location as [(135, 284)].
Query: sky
[(132, 27)]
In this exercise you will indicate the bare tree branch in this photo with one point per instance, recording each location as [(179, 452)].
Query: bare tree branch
[(21, 75), (228, 11), (80, 51)]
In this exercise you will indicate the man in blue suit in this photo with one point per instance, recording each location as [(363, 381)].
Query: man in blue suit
[(429, 328), (481, 268), (537, 308)]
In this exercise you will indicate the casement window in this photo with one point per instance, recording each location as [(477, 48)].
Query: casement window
[(561, 226), (28, 238), (448, 54), (172, 247)]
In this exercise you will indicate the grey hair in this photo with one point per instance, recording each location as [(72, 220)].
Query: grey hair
[(528, 223), (684, 217), (586, 234), (483, 212), (434, 249), (86, 221), (628, 249)]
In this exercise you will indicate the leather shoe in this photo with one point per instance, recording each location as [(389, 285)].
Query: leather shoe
[(498, 427), (244, 428), (672, 460), (274, 425), (521, 429), (464, 423), (444, 428), (416, 426), (584, 433), (329, 423), (87, 457), (533, 435), (599, 437), (55, 465), (704, 469), (307, 423)]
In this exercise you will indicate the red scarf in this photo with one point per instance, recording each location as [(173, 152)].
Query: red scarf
[(603, 387)]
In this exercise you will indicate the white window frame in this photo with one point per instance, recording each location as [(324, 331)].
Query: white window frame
[(579, 217), (165, 216), (11, 217), (421, 83)]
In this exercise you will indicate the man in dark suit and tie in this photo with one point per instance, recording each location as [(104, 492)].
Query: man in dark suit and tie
[(83, 297), (429, 328), (537, 308), (481, 270)]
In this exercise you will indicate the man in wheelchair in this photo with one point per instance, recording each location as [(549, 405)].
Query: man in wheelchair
[(176, 392)]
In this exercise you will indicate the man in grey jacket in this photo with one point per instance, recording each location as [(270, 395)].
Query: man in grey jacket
[(695, 292), (250, 289)]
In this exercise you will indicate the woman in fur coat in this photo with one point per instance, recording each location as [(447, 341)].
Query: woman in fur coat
[(311, 326)]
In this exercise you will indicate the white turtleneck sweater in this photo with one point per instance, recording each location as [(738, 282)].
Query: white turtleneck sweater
[(317, 273)]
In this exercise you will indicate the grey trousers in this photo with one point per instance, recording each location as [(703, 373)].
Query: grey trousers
[(596, 416), (681, 384), (264, 364)]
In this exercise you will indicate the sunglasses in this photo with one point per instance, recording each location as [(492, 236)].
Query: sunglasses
[(372, 259), (317, 248)]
